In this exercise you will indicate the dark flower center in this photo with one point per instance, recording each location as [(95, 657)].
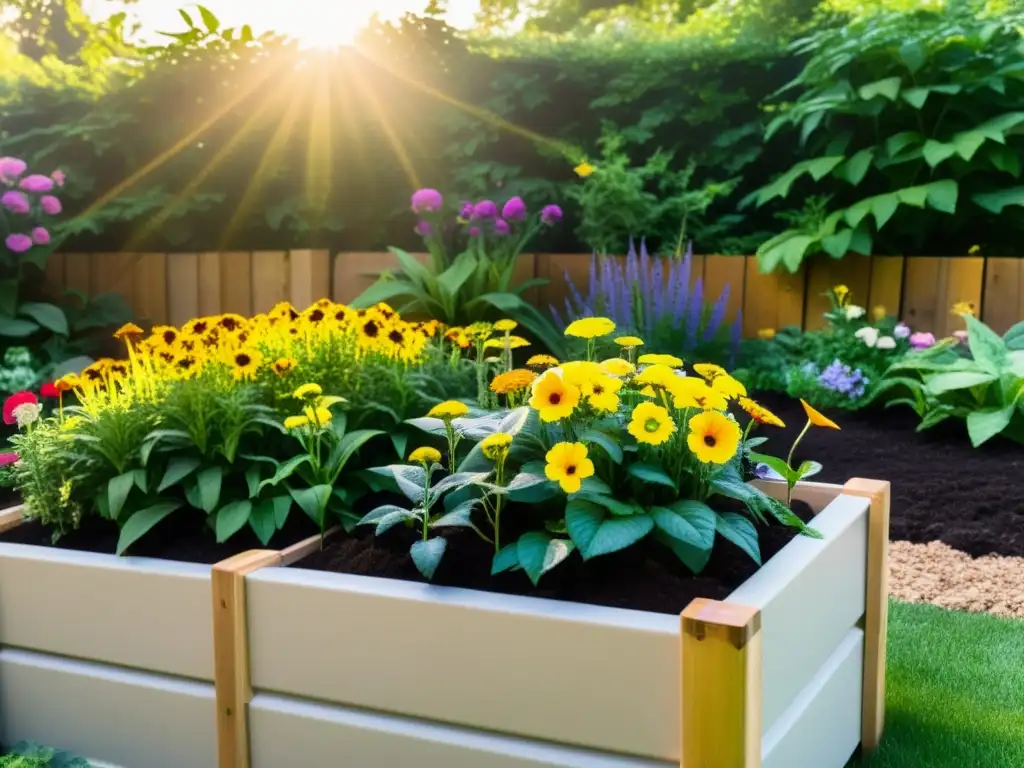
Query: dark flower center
[(571, 469), (709, 441), (316, 316), (554, 398), (229, 323), (169, 337), (242, 360), (396, 336), (598, 389), (371, 329), (199, 328)]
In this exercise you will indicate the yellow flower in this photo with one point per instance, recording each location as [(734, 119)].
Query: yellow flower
[(458, 337), (307, 392), (584, 169), (514, 342), (425, 456), (67, 382), (728, 386), (709, 370), (629, 341), (479, 330), (651, 359), (963, 308), (512, 381), (616, 366), (554, 398), (542, 361), (127, 331), (295, 422), (651, 424), (602, 393), (590, 327), (657, 375), (691, 392), (448, 410), (816, 418), (759, 413), (318, 415), (568, 465), (878, 313), (974, 249), (506, 325), (165, 334), (244, 362), (713, 437), (495, 446), (187, 364), (197, 327), (841, 292), (767, 334), (284, 365), (579, 372)]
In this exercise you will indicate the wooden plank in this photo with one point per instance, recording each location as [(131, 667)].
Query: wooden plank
[(886, 284), (306, 547), (823, 274), (555, 267), (151, 288), (771, 301), (310, 277), (721, 685), (722, 271), (208, 283), (1002, 302), (113, 273), (921, 290), (269, 279), (231, 653), (53, 275), (876, 615), (11, 518), (355, 272), (236, 282), (182, 287), (964, 278), (76, 272), (526, 269)]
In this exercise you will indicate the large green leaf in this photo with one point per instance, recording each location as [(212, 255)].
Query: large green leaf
[(987, 347), (608, 443), (348, 446), (985, 424), (118, 489), (789, 249), (1014, 338), (262, 520), (651, 473), (284, 471), (741, 532), (689, 521), (13, 328), (941, 383), (49, 316), (426, 555), (888, 87), (942, 195), (452, 279), (914, 54), (230, 519), (178, 468), (313, 501), (990, 201), (617, 533), (539, 552), (208, 483), (856, 168), (530, 488), (385, 289), (140, 523), (936, 152)]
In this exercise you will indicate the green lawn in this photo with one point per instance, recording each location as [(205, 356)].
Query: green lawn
[(955, 695)]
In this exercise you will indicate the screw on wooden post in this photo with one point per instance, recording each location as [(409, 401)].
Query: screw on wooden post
[(11, 518), (876, 615), (721, 685), (231, 653)]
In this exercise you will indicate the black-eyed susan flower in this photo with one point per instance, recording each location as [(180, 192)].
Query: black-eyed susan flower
[(652, 359), (963, 308), (602, 393), (713, 437), (590, 327), (448, 410), (244, 362), (568, 465), (759, 413), (553, 398), (284, 365), (651, 424), (197, 327), (231, 323), (166, 335), (425, 456)]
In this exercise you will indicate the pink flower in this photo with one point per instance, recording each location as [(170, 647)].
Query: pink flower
[(485, 209), (466, 210), (12, 402), (921, 340), (550, 214), (36, 183), (51, 205), (11, 168), (514, 209), (474, 232), (58, 177), (960, 336), (426, 201), (501, 227), (8, 458), (40, 236), (49, 389), (423, 228), (18, 242), (15, 201)]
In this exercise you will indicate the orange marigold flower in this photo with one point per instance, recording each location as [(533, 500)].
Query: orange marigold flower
[(127, 331), (512, 381), (759, 413)]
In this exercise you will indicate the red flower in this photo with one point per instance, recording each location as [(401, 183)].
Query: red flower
[(12, 402), (8, 458), (49, 389)]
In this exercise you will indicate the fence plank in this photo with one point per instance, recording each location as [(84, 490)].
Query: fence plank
[(208, 287), (182, 287), (113, 273), (236, 282), (76, 272), (886, 283), (53, 275), (920, 292), (270, 283), (964, 277), (558, 265), (1002, 304), (150, 299), (355, 272), (772, 301), (823, 274), (722, 271), (310, 277)]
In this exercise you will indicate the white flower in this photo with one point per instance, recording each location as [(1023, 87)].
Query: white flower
[(868, 335), (27, 413), (886, 342), (853, 312), (901, 331)]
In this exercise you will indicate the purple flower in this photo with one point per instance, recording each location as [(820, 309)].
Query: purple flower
[(36, 183), (551, 214), (15, 201), (51, 205), (11, 168), (901, 331), (501, 227), (423, 228), (465, 210), (921, 340), (840, 378), (485, 209), (514, 209), (426, 201), (18, 242), (58, 177), (475, 232), (40, 236)]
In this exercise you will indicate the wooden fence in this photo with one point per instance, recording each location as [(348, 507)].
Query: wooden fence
[(175, 287)]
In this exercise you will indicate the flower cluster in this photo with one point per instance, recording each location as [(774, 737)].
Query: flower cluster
[(840, 378), (480, 218), (27, 197)]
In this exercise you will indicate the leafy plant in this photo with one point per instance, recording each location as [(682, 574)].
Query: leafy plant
[(26, 754), (912, 123)]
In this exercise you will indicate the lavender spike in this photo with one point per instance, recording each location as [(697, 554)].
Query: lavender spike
[(625, 296), (737, 333), (608, 288), (644, 310), (717, 315), (574, 292), (695, 307), (592, 289), (558, 318), (656, 300)]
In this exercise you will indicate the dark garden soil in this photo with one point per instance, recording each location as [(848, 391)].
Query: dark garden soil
[(182, 535), (942, 488), (9, 498), (645, 577)]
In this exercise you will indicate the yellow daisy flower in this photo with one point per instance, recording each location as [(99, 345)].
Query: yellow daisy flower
[(542, 361), (553, 398), (713, 437), (602, 393), (425, 456), (568, 465), (728, 386), (590, 327), (709, 371), (629, 341), (691, 392), (616, 366), (506, 325), (284, 365), (244, 362), (448, 410), (651, 359), (579, 372), (651, 424), (816, 418), (759, 413), (296, 422), (308, 392), (495, 446)]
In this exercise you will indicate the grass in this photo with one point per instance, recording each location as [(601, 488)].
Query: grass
[(955, 693)]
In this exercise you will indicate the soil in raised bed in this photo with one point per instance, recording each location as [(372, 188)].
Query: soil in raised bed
[(942, 488), (182, 535), (646, 577)]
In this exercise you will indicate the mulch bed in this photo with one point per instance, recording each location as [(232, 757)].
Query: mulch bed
[(645, 577), (182, 535), (942, 488)]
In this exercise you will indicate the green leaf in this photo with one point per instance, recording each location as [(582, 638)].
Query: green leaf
[(608, 443), (49, 316), (775, 463), (262, 520), (538, 553), (807, 469), (16, 329), (400, 440), (230, 519), (393, 518), (941, 383), (348, 446), (968, 143), (313, 501), (888, 87), (936, 152), (178, 468), (915, 97), (284, 471), (915, 196), (985, 424), (211, 21), (987, 347), (459, 516), (789, 251), (140, 523), (838, 245), (942, 195), (856, 168), (452, 279), (694, 558), (582, 521), (689, 521), (821, 167), (900, 141), (883, 207), (208, 483), (914, 54), (426, 555), (252, 480), (118, 489), (1005, 159), (1014, 338), (506, 559), (990, 201), (382, 290), (650, 473), (741, 532), (530, 488), (187, 18)]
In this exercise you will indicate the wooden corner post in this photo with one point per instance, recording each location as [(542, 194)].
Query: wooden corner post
[(876, 612), (11, 518), (721, 685), (231, 653)]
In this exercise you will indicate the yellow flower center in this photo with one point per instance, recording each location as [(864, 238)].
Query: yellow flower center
[(652, 425)]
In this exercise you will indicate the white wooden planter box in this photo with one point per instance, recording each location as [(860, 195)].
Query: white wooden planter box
[(366, 672)]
